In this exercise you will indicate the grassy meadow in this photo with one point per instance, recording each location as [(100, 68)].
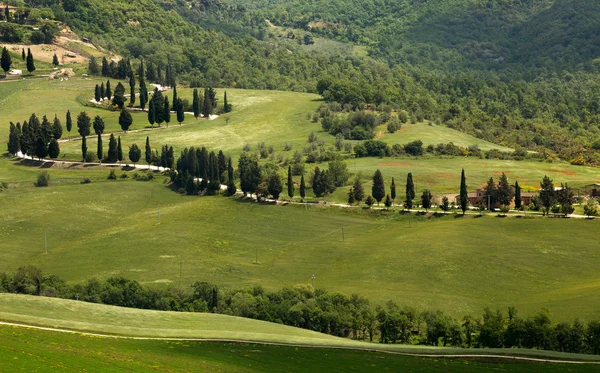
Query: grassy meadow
[(28, 350)]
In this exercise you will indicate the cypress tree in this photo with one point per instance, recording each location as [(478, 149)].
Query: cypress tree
[(119, 96), (113, 153), (290, 183), (274, 185), (206, 105), (378, 189), (5, 61), (14, 141), (108, 90), (231, 188), (302, 188), (69, 123), (504, 192), (134, 154), (105, 67), (167, 112), (393, 191), (125, 120), (316, 185), (159, 103), (30, 62), (175, 100), (358, 192), (131, 89), (41, 147), (196, 104), (55, 60), (57, 129), (102, 91), (151, 113), (426, 199), (53, 149), (180, 112), (83, 149), (490, 194), (23, 56), (119, 150), (222, 165), (226, 107), (100, 151), (464, 196), (410, 191), (148, 151), (518, 201), (83, 124), (97, 93)]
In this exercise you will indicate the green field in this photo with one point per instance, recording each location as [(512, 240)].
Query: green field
[(107, 320), (30, 350)]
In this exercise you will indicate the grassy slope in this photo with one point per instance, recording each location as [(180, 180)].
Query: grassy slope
[(29, 350), (456, 265), (96, 318)]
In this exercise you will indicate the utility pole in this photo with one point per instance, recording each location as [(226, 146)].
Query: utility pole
[(313, 281)]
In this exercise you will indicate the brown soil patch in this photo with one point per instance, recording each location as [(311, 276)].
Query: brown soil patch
[(446, 175), (45, 52), (565, 173), (394, 164)]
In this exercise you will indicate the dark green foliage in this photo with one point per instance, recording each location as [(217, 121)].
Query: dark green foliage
[(445, 206), (547, 194), (388, 201), (108, 90), (414, 148), (370, 201), (125, 119), (41, 147), (490, 194), (14, 140), (409, 191), (196, 104), (43, 180), (57, 129), (463, 194), (274, 185), (338, 171), (53, 149), (166, 112), (226, 105), (372, 148), (290, 183), (148, 151), (302, 188), (180, 112), (504, 193), (55, 61), (231, 188), (518, 201), (358, 192), (426, 198), (23, 56), (119, 150), (84, 148), (93, 68), (99, 150), (151, 113), (135, 154), (69, 122), (118, 99), (250, 174), (30, 62), (5, 60), (105, 67), (323, 183), (393, 190), (113, 152), (83, 124), (158, 101), (98, 125), (378, 188)]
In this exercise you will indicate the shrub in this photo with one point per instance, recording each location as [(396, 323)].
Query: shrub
[(370, 201), (37, 37), (43, 179), (112, 175), (124, 176), (247, 148), (86, 181), (414, 148)]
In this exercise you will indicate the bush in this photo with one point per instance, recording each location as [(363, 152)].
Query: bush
[(414, 148), (43, 179), (37, 37), (124, 176), (112, 175), (394, 125), (86, 181)]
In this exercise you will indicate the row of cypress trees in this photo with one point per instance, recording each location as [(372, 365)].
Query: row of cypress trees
[(6, 60), (34, 138)]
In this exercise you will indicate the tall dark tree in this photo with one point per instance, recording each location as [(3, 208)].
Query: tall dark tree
[(378, 188), (518, 201), (151, 113), (317, 185), (69, 123), (393, 190), (119, 96), (167, 112), (290, 183), (14, 140), (131, 89), (226, 105), (490, 194), (222, 166), (57, 129), (105, 67), (207, 105), (113, 152), (504, 193), (100, 150), (55, 60), (23, 55), (98, 125), (84, 148), (159, 105), (53, 149), (30, 62), (250, 174), (41, 147), (358, 192), (410, 191), (102, 91), (5, 61), (274, 185), (108, 90), (134, 154), (302, 188), (180, 112), (175, 100), (93, 68), (125, 120), (148, 151), (464, 195), (231, 188), (83, 124), (426, 199), (119, 150), (97, 93), (196, 104)]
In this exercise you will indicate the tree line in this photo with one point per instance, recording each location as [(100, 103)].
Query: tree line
[(327, 312), (6, 61)]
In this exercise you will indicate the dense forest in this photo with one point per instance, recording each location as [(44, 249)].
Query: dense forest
[(515, 72)]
